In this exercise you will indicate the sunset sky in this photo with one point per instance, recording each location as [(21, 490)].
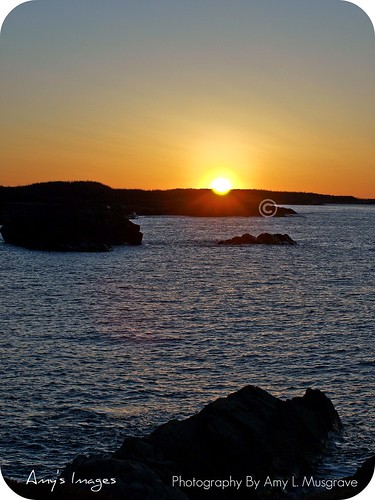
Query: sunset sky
[(271, 94)]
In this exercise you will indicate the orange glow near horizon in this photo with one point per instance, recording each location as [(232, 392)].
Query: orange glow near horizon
[(121, 109)]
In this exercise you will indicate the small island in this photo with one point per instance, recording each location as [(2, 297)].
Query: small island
[(261, 239), (79, 227)]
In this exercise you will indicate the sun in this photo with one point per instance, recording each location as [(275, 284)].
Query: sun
[(221, 186)]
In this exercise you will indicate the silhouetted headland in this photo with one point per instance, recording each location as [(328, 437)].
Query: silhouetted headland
[(264, 445), (193, 202)]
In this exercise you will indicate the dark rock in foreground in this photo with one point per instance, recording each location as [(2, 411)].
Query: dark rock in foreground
[(262, 239), (249, 435), (61, 227)]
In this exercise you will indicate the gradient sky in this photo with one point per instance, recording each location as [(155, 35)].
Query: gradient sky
[(273, 94)]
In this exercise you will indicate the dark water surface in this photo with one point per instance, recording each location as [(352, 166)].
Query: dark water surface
[(99, 346)]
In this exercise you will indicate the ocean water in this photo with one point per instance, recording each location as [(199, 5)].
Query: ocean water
[(99, 346)]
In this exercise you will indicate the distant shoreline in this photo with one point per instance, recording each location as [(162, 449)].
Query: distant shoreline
[(190, 202), (296, 197)]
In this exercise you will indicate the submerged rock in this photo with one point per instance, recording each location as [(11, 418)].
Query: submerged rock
[(262, 239), (246, 437), (70, 228)]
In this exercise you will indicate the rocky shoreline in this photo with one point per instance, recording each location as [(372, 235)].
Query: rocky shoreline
[(248, 445), (91, 228)]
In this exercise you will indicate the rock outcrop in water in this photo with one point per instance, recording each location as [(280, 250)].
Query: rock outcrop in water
[(262, 239), (250, 437), (62, 227)]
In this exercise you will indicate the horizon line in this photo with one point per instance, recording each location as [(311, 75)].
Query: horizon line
[(179, 188)]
